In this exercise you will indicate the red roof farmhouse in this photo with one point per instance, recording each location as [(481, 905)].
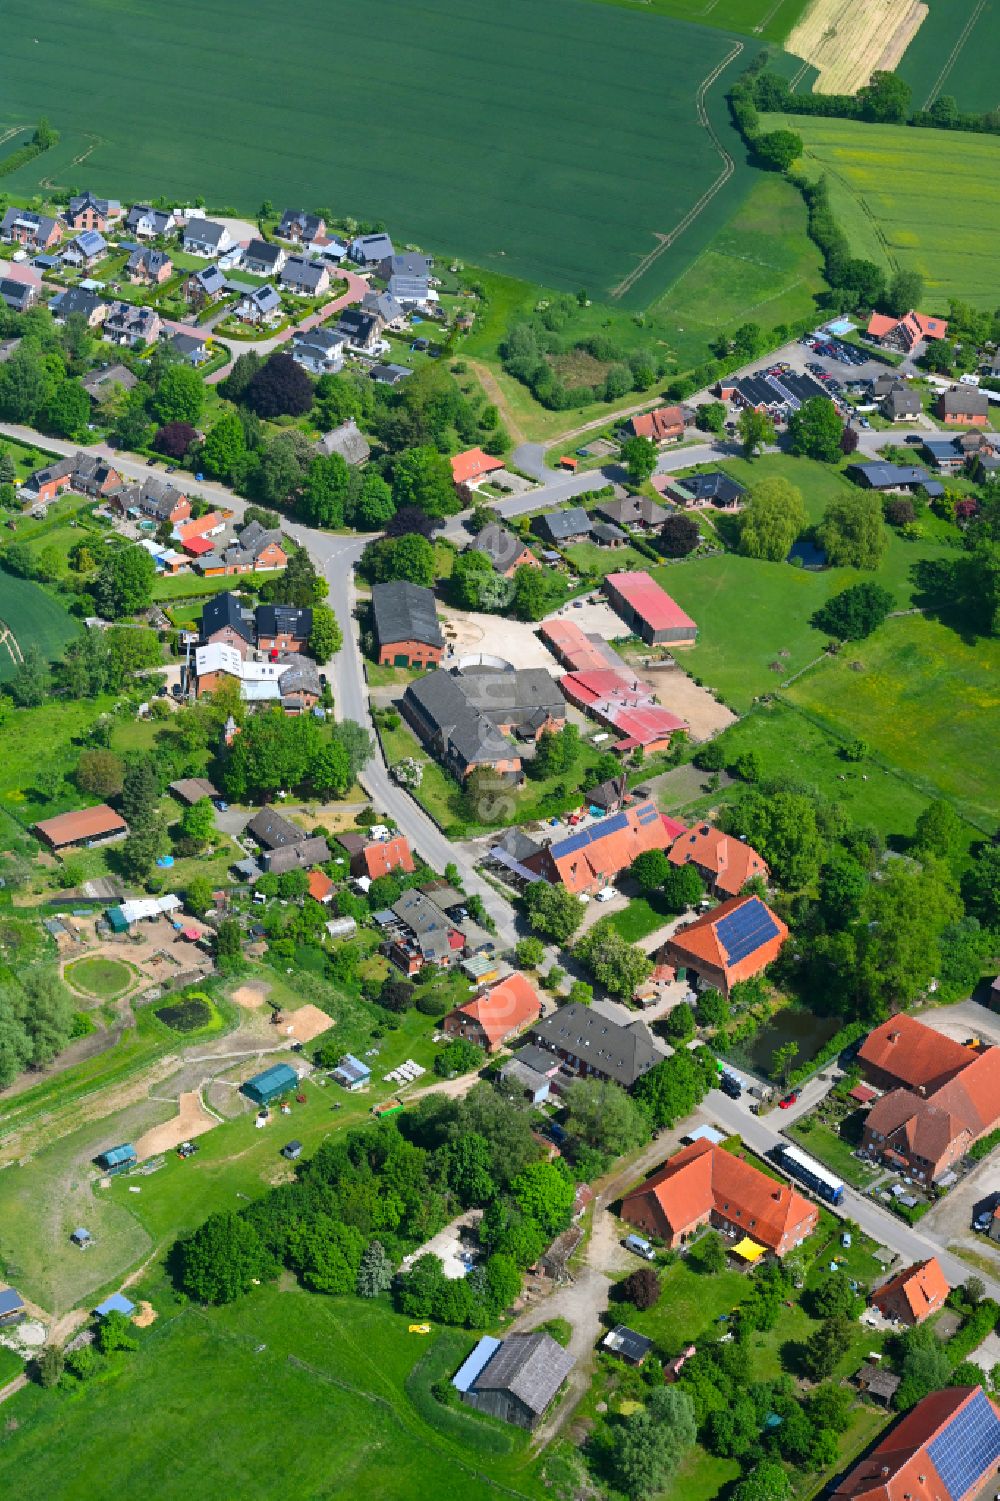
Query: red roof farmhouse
[(947, 1448), (733, 942), (492, 1019)]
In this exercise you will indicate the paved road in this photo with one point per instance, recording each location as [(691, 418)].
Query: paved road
[(762, 1133), (357, 286)]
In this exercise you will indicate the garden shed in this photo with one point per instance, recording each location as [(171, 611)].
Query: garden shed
[(274, 1081), (117, 1159)]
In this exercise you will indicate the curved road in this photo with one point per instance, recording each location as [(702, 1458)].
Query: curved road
[(357, 286)]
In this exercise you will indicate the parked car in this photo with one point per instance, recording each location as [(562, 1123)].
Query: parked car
[(640, 1246), (914, 439), (731, 1086), (982, 1222), (789, 1100), (221, 804), (608, 894)]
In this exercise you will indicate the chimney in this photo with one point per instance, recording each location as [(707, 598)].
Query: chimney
[(893, 1036)]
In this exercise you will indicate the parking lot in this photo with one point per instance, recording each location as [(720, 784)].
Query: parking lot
[(951, 1218)]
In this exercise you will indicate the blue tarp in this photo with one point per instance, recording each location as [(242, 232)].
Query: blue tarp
[(117, 1303)]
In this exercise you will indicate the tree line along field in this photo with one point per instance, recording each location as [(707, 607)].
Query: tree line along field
[(32, 617), (955, 52), (561, 166), (923, 200)]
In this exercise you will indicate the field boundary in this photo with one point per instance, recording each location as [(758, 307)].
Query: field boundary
[(729, 167), (953, 55)]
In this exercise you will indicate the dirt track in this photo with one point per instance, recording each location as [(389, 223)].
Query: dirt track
[(192, 1119)]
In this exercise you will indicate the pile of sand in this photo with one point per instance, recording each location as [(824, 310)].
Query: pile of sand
[(192, 1119), (305, 1024), (145, 1316), (252, 995)]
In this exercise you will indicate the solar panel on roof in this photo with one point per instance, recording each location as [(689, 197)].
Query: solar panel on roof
[(647, 814), (745, 930), (968, 1447), (580, 840)]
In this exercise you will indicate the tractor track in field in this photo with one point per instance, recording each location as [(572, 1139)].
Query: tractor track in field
[(953, 55), (664, 241)]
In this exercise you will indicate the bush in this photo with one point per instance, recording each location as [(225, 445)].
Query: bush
[(432, 1004), (641, 1288)]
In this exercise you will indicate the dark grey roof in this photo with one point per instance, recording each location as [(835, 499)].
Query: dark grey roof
[(560, 526), (226, 610), (312, 851), (529, 691), (714, 486), (98, 382), (500, 545), (383, 305), (389, 375), (606, 531), (300, 271), (291, 620), (623, 1054), (902, 403), (189, 347), (405, 612), (359, 326), (517, 844), (348, 440), (540, 1060), (632, 509), (273, 831), (370, 249), (966, 400), (161, 219), (621, 1340), (18, 295), (465, 734), (204, 231), (429, 923), (409, 263), (532, 1367), (881, 476), (261, 253), (299, 675), (152, 260), (296, 221), (74, 300)]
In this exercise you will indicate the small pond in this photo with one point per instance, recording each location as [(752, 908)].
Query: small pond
[(792, 1024)]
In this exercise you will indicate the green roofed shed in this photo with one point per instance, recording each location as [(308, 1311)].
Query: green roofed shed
[(275, 1081), (116, 917)]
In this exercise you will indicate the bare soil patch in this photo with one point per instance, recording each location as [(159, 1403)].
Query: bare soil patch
[(145, 1316), (680, 694), (847, 40), (252, 995), (305, 1024), (192, 1119)]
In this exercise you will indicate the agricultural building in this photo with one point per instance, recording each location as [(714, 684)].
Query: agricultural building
[(117, 1159), (591, 858), (407, 633), (351, 1073), (732, 942), (12, 1310), (515, 1379), (88, 826), (704, 1184), (944, 1449), (274, 1081), (648, 610)]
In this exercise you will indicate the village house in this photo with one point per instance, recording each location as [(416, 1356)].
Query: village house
[(22, 226), (385, 307), (904, 1052), (299, 226), (562, 527), (593, 857), (648, 610), (473, 465), (913, 1294), (474, 718), (261, 258), (944, 1449), (19, 296), (77, 300), (703, 1184), (373, 857), (148, 223), (348, 441), (964, 406), (45, 484), (370, 250), (734, 941), (505, 549), (86, 474), (320, 351), (284, 846), (662, 426), (904, 334), (724, 863), (192, 533), (130, 326), (634, 512), (99, 384), (86, 211), (696, 492), (901, 404), (149, 268), (204, 286), (425, 926), (252, 549), (283, 627), (589, 1045), (362, 330), (286, 679), (899, 479), (205, 238), (259, 305), (493, 1018), (84, 252), (405, 623), (225, 620), (191, 348), (304, 277)]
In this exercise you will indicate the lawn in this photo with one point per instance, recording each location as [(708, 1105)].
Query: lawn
[(48, 736), (823, 1143), (566, 201), (354, 1420), (954, 52), (192, 585), (588, 558), (104, 978), (927, 202), (34, 618), (11, 1365), (642, 916), (925, 699)]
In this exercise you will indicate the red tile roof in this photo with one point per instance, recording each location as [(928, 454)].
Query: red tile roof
[(730, 861), (649, 601), (923, 1289), (703, 1178), (509, 1007), (913, 1054), (974, 1094), (581, 862), (198, 546), (665, 422), (900, 1466), (473, 464), (622, 701), (320, 885), (86, 823), (382, 858), (199, 525), (700, 940), (863, 1093), (572, 647)]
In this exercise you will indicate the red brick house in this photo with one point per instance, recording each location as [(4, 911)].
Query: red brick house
[(904, 1052), (473, 465), (964, 406), (913, 1294), (665, 425), (593, 857), (404, 618), (944, 1449), (733, 942), (705, 1185), (491, 1020), (725, 864)]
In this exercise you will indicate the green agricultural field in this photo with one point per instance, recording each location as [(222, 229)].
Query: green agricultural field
[(771, 20), (927, 700), (925, 200), (346, 1384), (565, 200), (30, 617), (955, 52)]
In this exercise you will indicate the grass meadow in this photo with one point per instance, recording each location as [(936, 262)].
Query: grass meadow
[(35, 617), (954, 52), (924, 200), (514, 168), (330, 1394)]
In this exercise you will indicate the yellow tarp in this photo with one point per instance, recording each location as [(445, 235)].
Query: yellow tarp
[(748, 1249)]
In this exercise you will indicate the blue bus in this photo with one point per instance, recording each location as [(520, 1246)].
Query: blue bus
[(811, 1173)]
